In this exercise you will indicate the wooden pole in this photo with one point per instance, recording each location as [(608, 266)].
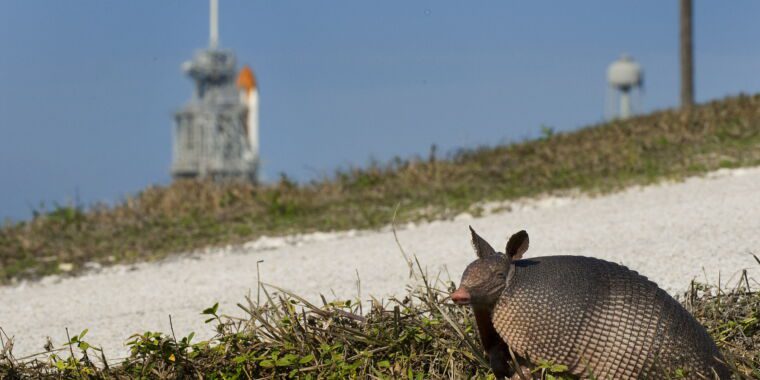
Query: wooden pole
[(687, 55)]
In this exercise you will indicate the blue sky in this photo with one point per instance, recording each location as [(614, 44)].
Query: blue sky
[(88, 88)]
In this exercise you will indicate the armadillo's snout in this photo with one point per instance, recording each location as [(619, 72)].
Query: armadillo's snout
[(461, 296)]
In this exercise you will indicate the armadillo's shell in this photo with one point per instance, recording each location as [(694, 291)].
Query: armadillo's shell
[(601, 318)]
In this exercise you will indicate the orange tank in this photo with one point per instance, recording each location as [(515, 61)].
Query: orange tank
[(246, 80)]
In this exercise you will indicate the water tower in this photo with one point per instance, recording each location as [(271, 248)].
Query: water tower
[(216, 133), (626, 79)]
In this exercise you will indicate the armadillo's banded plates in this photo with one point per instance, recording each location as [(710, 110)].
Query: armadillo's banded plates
[(599, 318)]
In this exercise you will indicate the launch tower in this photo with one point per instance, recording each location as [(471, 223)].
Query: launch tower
[(216, 133)]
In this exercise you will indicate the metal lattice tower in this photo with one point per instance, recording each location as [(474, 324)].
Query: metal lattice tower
[(211, 137)]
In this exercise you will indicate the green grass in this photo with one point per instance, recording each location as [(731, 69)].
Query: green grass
[(422, 336), (190, 215)]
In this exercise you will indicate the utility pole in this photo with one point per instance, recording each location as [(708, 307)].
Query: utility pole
[(687, 55)]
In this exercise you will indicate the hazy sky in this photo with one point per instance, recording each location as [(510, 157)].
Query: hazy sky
[(88, 88)]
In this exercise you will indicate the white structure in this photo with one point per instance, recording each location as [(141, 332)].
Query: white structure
[(213, 24), (249, 96), (217, 132), (626, 79)]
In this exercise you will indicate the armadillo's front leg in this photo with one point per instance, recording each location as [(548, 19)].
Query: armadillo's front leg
[(498, 357), (497, 350)]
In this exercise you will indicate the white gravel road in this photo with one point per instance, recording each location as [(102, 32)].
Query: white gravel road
[(671, 233)]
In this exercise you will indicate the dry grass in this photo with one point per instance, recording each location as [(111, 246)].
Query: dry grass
[(422, 336), (191, 215), (733, 319)]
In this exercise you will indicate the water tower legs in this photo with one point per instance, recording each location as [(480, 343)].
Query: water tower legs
[(625, 104)]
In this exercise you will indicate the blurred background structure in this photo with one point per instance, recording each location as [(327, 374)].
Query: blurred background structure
[(216, 134), (88, 89), (626, 79), (686, 34)]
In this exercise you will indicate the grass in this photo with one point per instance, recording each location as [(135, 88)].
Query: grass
[(422, 336), (419, 336), (191, 215)]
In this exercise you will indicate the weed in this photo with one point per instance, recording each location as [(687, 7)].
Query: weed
[(421, 336)]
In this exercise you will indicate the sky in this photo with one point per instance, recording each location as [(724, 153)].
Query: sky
[(88, 88)]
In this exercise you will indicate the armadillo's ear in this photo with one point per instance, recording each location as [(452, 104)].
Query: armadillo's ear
[(482, 248), (517, 245)]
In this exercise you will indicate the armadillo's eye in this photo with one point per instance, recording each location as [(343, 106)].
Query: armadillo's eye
[(502, 275)]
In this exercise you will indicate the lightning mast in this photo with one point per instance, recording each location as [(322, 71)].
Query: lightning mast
[(213, 38)]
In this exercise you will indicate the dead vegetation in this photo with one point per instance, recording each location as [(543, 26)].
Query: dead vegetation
[(191, 215), (421, 336), (733, 319)]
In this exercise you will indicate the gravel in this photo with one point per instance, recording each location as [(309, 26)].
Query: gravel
[(701, 228)]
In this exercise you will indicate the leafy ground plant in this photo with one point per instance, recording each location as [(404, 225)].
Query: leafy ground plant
[(421, 336)]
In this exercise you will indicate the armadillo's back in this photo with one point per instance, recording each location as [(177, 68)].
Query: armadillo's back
[(602, 319)]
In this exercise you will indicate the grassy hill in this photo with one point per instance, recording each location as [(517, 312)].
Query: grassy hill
[(189, 215), (420, 336)]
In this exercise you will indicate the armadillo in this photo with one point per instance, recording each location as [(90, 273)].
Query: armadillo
[(599, 319)]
